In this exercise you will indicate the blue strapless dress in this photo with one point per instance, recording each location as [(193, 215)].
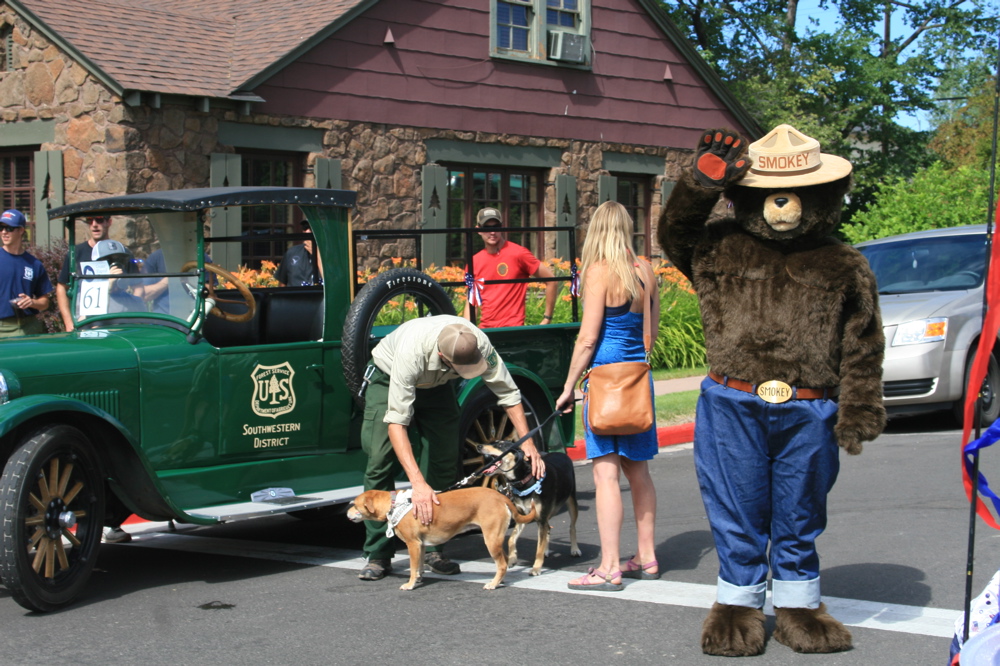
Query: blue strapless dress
[(621, 340)]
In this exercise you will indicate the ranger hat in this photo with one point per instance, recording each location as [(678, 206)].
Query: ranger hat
[(487, 214), (460, 348), (786, 157)]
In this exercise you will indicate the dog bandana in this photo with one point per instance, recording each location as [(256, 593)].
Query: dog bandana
[(400, 507)]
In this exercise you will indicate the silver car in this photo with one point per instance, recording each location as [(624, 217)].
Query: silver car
[(930, 286)]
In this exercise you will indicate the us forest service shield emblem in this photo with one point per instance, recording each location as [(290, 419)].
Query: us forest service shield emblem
[(273, 394)]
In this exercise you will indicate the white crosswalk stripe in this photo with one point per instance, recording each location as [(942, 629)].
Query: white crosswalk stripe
[(937, 622)]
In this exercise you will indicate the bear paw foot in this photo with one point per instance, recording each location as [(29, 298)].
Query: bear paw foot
[(810, 630), (733, 631)]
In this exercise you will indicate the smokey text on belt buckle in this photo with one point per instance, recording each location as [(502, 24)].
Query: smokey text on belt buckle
[(774, 392)]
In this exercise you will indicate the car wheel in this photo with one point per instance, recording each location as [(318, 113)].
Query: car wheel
[(52, 493), (483, 421), (412, 293), (989, 408)]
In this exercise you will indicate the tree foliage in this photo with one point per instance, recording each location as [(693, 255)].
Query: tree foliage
[(935, 198), (849, 82), (965, 138)]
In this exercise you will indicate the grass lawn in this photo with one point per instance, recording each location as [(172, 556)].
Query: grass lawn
[(677, 408)]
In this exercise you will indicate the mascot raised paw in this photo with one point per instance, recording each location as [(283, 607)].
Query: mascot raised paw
[(794, 343)]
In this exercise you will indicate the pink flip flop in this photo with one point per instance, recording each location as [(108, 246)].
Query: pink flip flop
[(607, 583), (635, 570)]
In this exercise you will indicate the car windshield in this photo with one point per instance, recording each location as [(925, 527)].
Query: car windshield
[(928, 264)]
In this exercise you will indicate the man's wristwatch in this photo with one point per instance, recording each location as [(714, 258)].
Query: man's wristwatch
[(544, 317)]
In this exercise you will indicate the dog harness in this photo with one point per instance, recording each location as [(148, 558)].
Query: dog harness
[(400, 504)]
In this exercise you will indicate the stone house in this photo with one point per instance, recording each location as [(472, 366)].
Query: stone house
[(429, 109)]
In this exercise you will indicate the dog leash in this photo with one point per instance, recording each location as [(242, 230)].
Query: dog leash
[(491, 467)]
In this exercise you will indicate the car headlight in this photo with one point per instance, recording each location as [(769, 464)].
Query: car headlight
[(4, 391), (921, 331)]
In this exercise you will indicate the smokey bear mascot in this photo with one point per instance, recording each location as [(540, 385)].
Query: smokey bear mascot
[(794, 343)]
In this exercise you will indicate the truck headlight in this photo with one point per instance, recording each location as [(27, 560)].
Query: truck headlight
[(921, 331)]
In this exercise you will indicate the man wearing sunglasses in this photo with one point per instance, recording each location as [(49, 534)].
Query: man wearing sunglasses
[(501, 259), (98, 229), (23, 282)]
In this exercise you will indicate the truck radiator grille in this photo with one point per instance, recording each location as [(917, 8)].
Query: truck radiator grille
[(106, 400), (907, 387)]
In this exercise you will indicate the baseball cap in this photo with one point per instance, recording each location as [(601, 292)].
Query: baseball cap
[(108, 248), (487, 214), (459, 346), (12, 218)]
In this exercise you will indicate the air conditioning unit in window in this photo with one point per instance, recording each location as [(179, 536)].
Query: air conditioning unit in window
[(567, 46)]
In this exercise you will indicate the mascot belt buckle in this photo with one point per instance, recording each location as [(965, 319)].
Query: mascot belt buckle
[(774, 392)]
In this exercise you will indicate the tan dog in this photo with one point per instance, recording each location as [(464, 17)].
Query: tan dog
[(483, 507)]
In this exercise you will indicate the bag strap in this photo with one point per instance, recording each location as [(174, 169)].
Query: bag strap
[(646, 335)]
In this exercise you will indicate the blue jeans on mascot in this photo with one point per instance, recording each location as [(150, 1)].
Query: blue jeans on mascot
[(765, 471)]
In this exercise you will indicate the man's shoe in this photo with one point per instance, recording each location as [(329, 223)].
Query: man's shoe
[(440, 564), (375, 570), (116, 535)]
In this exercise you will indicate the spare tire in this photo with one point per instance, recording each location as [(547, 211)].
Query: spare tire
[(429, 298)]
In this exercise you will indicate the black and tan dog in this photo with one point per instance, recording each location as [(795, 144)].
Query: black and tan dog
[(545, 498), (484, 507)]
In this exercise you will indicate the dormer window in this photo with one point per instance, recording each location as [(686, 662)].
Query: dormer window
[(553, 32)]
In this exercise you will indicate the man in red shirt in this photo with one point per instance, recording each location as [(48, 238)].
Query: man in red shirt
[(503, 304)]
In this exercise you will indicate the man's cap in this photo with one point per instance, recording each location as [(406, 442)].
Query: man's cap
[(108, 248), (459, 346), (12, 218), (786, 157), (487, 214)]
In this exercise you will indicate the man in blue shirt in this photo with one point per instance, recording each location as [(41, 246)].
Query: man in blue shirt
[(24, 284)]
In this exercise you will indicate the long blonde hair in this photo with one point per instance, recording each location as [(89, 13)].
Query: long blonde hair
[(609, 241)]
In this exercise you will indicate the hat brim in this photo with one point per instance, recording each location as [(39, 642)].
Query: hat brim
[(831, 168), (470, 371)]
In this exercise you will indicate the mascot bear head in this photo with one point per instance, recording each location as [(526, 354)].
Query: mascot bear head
[(791, 189)]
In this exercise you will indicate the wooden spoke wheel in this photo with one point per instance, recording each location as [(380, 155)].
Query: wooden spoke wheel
[(52, 494), (485, 422)]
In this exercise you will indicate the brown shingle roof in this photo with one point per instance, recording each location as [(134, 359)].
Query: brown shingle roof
[(189, 47)]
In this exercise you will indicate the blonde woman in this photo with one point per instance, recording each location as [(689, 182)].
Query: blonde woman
[(615, 282)]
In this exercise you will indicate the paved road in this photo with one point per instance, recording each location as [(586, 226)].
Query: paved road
[(282, 591)]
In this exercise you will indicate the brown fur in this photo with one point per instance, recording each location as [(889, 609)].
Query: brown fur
[(810, 630), (733, 631), (483, 507), (798, 306)]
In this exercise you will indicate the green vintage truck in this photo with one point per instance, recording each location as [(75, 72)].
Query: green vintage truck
[(221, 404)]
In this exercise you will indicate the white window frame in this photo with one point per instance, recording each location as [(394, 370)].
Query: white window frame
[(538, 35)]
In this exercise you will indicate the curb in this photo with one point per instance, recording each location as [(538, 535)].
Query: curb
[(665, 436)]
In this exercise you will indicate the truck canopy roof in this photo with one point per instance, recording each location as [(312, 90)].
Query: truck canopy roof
[(207, 197)]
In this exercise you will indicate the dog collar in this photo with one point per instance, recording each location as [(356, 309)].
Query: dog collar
[(536, 487)]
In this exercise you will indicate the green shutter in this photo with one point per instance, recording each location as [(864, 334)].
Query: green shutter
[(666, 187), (434, 195), (565, 213), (226, 172), (607, 189), (327, 172), (49, 193)]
